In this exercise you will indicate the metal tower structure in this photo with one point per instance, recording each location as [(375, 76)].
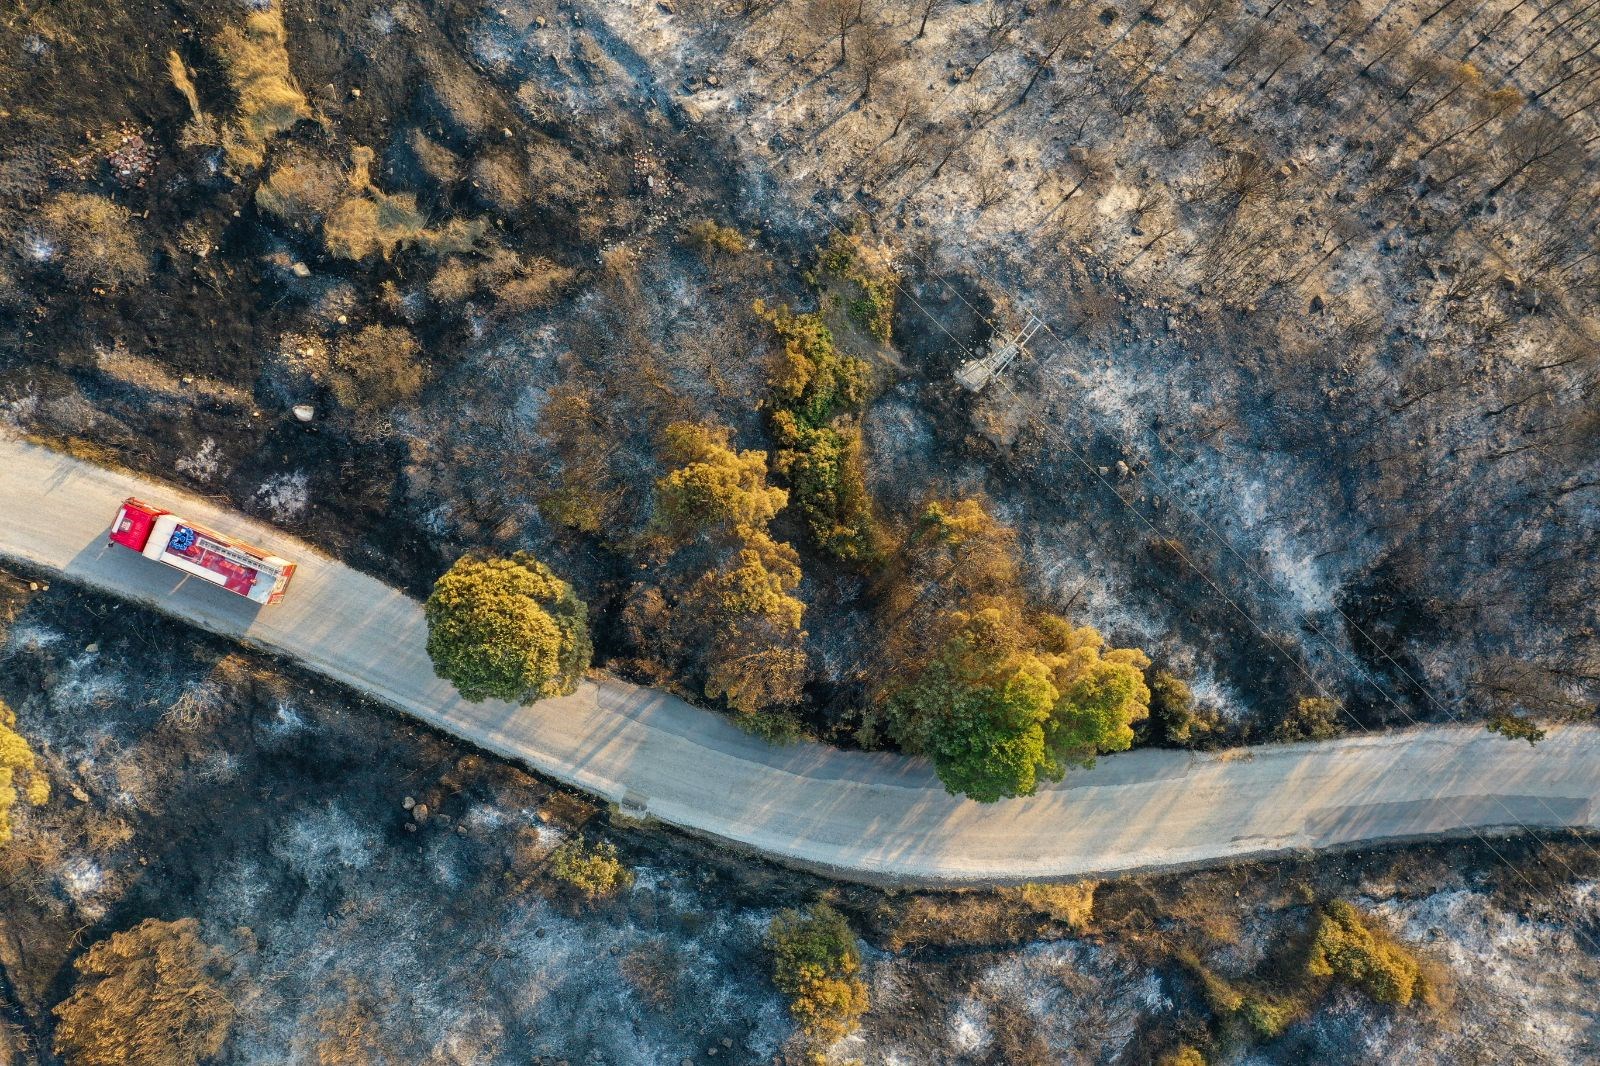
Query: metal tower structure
[(974, 374)]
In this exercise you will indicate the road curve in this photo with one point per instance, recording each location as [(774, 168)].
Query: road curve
[(867, 816)]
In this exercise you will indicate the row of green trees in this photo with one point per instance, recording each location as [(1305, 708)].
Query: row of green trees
[(999, 695)]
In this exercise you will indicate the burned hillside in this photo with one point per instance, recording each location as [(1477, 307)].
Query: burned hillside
[(343, 888), (1309, 416)]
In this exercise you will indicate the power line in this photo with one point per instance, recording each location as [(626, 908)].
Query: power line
[(1314, 682)]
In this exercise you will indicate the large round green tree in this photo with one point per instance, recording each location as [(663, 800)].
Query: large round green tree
[(507, 629)]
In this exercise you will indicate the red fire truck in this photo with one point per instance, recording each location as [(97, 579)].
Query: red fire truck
[(208, 555)]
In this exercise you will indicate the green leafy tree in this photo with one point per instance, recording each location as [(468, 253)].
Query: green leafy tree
[(20, 776), (999, 696), (1003, 707), (507, 629), (816, 963)]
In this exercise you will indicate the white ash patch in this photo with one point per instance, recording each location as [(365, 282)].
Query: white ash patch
[(286, 720), (17, 412), (1211, 692), (322, 842), (83, 879), (31, 637), (1524, 981), (483, 818), (1081, 996), (83, 686), (443, 861), (284, 496), (38, 249), (217, 767), (204, 463), (968, 1027)]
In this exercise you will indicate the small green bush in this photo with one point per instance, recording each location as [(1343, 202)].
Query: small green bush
[(592, 869), (826, 473), (874, 283), (1311, 718), (775, 726), (816, 963), (712, 239), (1267, 1019), (1515, 727), (1348, 949)]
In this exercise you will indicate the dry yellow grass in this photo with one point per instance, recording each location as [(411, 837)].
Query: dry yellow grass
[(302, 189), (1070, 904), (95, 240), (256, 59), (148, 995)]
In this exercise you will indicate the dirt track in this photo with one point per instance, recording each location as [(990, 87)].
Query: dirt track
[(873, 817)]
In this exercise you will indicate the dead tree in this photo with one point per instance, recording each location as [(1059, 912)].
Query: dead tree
[(924, 10), (1540, 147), (1058, 29), (875, 53), (1000, 18), (838, 18)]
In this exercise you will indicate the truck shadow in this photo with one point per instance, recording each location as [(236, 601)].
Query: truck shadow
[(113, 568)]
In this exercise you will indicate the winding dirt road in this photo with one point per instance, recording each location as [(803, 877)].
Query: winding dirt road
[(867, 816)]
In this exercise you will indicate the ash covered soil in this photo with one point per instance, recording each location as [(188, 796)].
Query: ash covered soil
[(192, 781), (1313, 411)]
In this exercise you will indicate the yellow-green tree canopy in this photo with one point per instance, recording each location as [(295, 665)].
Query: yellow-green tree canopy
[(711, 486), (507, 629), (999, 696), (1345, 947), (811, 378), (816, 963), (149, 996), (740, 607), (1004, 706), (20, 776), (754, 659), (818, 394)]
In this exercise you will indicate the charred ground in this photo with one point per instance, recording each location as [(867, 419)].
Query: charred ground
[(193, 781)]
